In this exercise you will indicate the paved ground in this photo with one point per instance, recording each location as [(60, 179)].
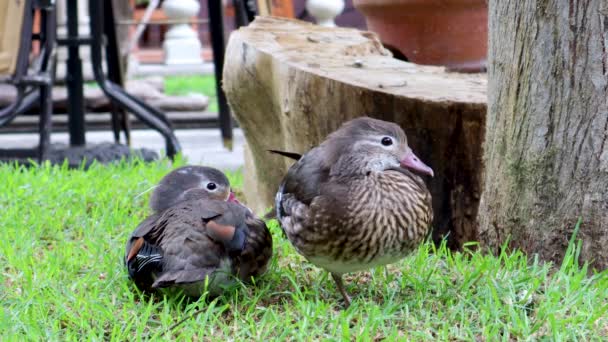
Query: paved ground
[(200, 146)]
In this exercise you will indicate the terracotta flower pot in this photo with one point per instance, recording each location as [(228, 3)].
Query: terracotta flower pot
[(453, 33)]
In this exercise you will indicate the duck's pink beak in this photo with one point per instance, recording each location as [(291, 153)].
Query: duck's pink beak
[(232, 198), (412, 162)]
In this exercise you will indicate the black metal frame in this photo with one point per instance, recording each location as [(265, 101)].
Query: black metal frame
[(74, 78), (216, 28), (243, 16), (146, 113), (102, 26), (35, 85)]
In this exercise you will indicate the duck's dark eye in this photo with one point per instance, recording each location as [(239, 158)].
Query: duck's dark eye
[(386, 141), (211, 186)]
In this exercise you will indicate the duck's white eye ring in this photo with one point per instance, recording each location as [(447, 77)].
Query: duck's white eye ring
[(211, 186), (386, 141)]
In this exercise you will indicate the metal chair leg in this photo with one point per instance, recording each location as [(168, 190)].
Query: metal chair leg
[(117, 94), (216, 26), (47, 68), (119, 116), (74, 81), (46, 113), (240, 13)]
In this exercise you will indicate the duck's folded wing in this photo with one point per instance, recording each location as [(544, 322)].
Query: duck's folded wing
[(145, 226), (295, 214), (153, 227), (232, 237), (135, 242), (189, 256), (300, 187), (228, 227), (143, 256)]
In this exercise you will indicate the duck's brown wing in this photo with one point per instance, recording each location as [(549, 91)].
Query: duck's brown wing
[(200, 238), (303, 179), (189, 253), (234, 235), (298, 189), (307, 192), (145, 256), (187, 242)]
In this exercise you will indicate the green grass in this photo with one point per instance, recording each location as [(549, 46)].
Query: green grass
[(182, 85), (62, 239)]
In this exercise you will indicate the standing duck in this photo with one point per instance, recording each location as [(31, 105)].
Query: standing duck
[(355, 201), (199, 238)]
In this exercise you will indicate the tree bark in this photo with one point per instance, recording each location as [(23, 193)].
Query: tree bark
[(546, 150), (290, 83)]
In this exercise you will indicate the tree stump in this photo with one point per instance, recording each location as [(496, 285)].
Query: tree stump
[(290, 83), (547, 137)]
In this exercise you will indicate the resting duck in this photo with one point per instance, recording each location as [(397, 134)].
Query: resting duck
[(198, 234), (185, 182), (355, 201)]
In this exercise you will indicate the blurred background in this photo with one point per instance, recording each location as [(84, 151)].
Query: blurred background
[(160, 65)]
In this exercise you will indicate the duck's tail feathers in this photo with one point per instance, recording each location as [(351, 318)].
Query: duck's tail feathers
[(291, 155), (144, 261)]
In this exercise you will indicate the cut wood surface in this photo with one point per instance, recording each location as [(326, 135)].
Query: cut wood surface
[(290, 83)]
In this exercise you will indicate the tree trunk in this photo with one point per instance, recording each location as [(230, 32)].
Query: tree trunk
[(290, 83), (546, 150)]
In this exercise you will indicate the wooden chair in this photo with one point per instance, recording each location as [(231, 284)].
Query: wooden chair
[(32, 76)]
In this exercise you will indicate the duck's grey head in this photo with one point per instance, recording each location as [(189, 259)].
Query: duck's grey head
[(190, 182), (366, 145)]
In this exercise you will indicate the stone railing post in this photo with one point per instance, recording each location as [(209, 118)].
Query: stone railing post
[(83, 30), (325, 11), (181, 44)]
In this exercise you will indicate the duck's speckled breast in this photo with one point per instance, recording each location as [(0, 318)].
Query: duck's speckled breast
[(392, 208), (388, 215)]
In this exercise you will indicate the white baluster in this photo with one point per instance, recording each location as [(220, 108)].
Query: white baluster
[(83, 30), (325, 11), (181, 44)]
